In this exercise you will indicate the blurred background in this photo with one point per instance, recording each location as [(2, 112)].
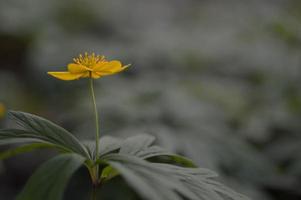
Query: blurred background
[(217, 81)]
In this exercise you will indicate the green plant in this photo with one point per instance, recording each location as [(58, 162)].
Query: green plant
[(153, 172)]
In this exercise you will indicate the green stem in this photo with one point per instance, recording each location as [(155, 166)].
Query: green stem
[(96, 123), (93, 195)]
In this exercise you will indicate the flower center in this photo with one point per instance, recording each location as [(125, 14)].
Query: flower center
[(89, 60)]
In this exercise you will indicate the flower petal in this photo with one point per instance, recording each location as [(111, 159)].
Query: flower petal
[(66, 76), (86, 75), (108, 66), (77, 68), (95, 75)]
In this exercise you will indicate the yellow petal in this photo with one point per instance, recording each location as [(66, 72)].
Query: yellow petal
[(122, 68), (95, 75), (98, 66), (66, 76), (86, 75), (90, 74), (111, 72), (108, 66), (77, 68)]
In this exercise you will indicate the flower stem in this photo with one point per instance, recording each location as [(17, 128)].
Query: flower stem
[(96, 121), (93, 194)]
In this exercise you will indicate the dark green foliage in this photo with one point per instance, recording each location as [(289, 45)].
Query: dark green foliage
[(153, 172), (166, 182), (42, 129), (49, 181)]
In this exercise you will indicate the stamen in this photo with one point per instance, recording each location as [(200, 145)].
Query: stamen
[(88, 60)]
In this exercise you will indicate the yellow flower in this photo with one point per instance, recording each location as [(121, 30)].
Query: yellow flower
[(2, 110), (89, 66)]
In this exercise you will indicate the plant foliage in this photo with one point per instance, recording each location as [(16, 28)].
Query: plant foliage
[(151, 171)]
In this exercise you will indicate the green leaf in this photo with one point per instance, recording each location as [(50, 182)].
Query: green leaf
[(50, 180), (22, 149), (156, 181), (108, 173), (140, 146), (38, 129), (10, 136), (134, 145), (170, 158), (144, 188), (143, 176), (107, 144)]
